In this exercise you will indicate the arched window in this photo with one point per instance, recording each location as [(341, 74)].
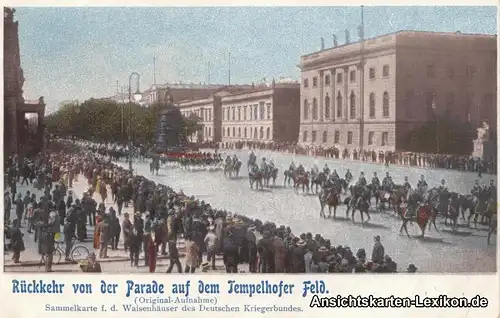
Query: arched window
[(352, 103), (372, 105), (228, 132), (245, 132), (306, 109), (261, 133), (315, 109), (268, 133), (234, 131), (239, 132), (385, 105), (255, 133), (327, 106), (339, 105)]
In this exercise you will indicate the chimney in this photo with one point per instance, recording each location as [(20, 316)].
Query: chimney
[(322, 44), (347, 40), (335, 43)]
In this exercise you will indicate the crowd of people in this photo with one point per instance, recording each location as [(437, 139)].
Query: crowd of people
[(443, 161), (159, 219)]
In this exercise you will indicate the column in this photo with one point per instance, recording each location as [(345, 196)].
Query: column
[(321, 105), (333, 98), (346, 93)]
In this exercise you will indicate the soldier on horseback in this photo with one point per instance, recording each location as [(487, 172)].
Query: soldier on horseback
[(301, 170), (375, 181), (348, 176), (335, 175), (476, 189), (422, 184), (326, 170), (292, 167), (387, 183), (406, 185), (362, 180)]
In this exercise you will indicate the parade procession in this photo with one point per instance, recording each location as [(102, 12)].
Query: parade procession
[(327, 170)]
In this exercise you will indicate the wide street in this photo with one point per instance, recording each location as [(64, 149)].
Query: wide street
[(465, 251)]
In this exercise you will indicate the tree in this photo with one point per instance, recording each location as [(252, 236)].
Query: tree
[(101, 120)]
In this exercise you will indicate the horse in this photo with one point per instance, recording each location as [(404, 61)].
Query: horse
[(255, 177), (493, 226), (236, 168), (467, 203), (318, 179), (288, 176), (251, 161), (331, 198), (452, 213), (154, 166), (485, 208), (272, 173), (301, 179), (228, 169), (359, 199)]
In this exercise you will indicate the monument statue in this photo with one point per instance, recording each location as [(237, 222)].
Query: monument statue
[(168, 126), (483, 132)]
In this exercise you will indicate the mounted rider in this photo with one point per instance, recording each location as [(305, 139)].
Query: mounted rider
[(263, 165), (235, 160), (442, 187), (229, 160), (334, 175), (315, 170), (292, 166), (301, 170), (362, 180), (271, 164), (255, 168), (422, 184), (326, 170), (406, 185), (375, 181), (387, 183), (476, 189), (348, 175)]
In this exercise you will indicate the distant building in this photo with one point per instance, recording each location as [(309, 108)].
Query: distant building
[(408, 78), (179, 92), (264, 114), (208, 110), (23, 120)]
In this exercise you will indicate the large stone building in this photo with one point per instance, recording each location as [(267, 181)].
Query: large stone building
[(208, 110), (180, 92), (373, 95), (23, 120), (264, 114)]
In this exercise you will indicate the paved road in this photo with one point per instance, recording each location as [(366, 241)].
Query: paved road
[(466, 251)]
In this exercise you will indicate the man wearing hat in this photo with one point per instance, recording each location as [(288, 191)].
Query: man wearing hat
[(378, 251), (211, 243), (411, 268)]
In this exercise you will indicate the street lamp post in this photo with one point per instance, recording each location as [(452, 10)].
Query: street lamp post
[(137, 97), (436, 123)]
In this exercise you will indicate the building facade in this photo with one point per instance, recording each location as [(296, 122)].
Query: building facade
[(23, 120), (263, 114), (204, 110), (373, 95)]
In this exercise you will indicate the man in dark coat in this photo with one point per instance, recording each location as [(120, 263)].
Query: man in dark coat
[(231, 256)]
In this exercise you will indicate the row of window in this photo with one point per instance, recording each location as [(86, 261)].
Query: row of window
[(247, 133), (261, 111), (208, 131), (352, 106), (470, 71), (372, 74), (336, 137), (203, 114)]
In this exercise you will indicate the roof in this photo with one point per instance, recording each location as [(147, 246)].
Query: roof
[(411, 32)]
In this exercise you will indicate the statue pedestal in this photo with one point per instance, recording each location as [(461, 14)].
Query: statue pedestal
[(483, 149)]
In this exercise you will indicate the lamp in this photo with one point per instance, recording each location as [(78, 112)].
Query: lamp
[(137, 96)]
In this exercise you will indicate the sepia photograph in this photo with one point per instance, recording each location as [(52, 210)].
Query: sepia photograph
[(175, 140)]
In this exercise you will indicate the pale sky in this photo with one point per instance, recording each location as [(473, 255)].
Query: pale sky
[(78, 53)]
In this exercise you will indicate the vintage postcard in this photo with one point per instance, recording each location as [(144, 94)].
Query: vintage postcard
[(255, 140)]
